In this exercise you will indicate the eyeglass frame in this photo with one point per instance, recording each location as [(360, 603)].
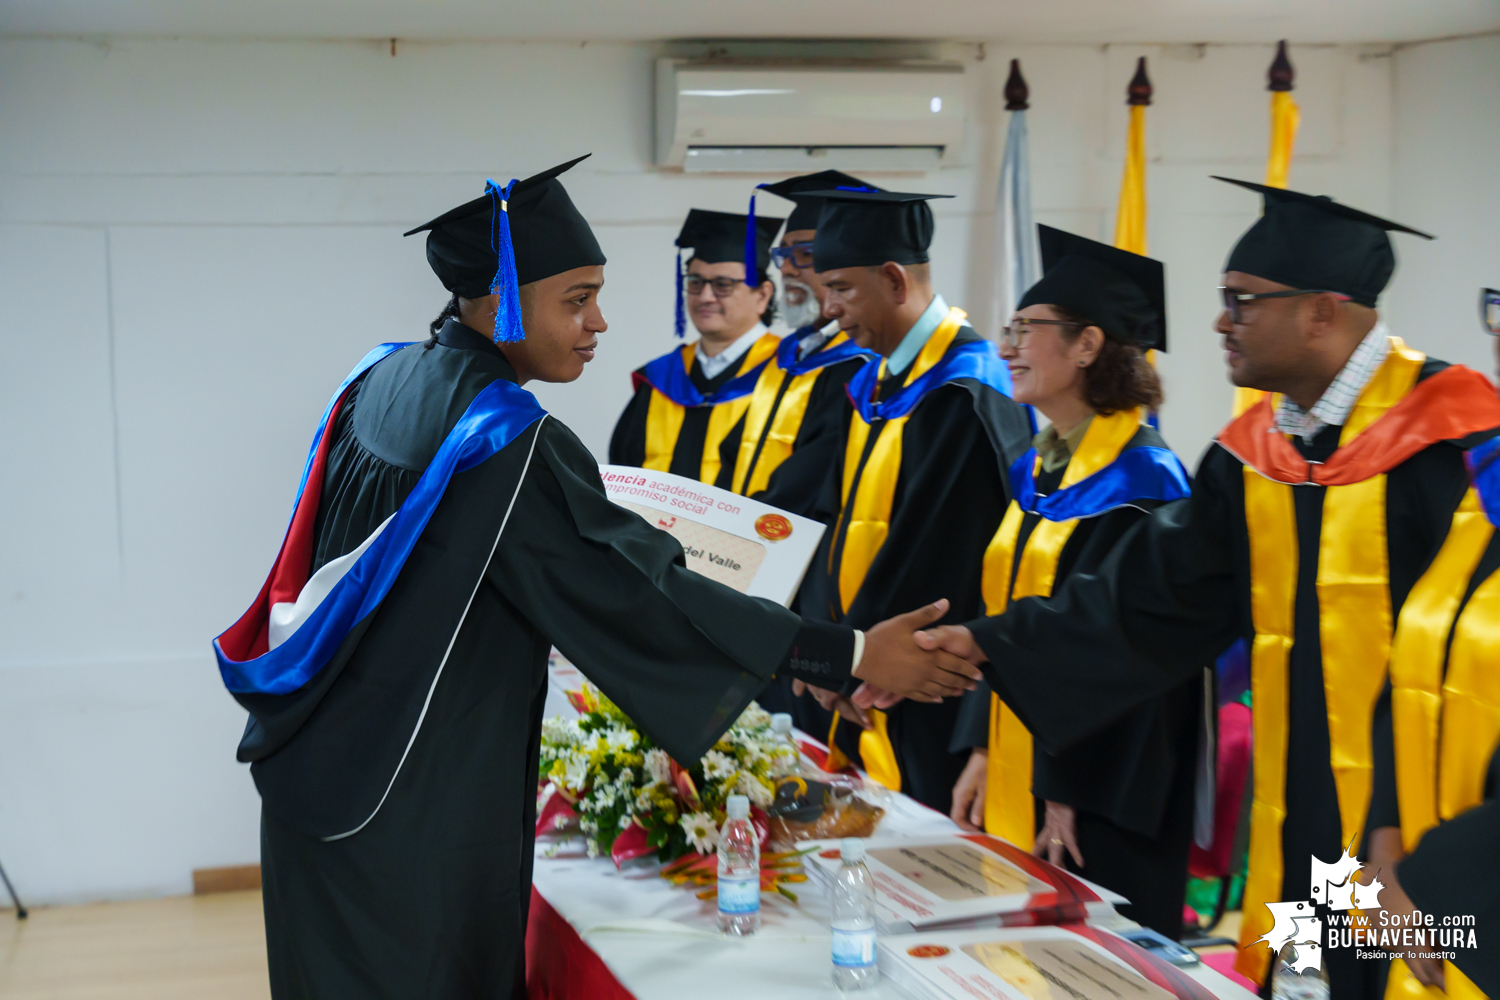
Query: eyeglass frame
[(1014, 340), (720, 291), (780, 255), (1489, 297), (1232, 300)]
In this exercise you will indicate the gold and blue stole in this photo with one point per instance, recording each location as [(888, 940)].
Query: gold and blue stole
[(1102, 476), (674, 394), (869, 491), (778, 406)]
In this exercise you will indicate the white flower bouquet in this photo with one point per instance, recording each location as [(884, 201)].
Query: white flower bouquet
[(630, 799)]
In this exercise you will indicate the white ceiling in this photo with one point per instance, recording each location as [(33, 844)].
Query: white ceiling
[(1090, 21)]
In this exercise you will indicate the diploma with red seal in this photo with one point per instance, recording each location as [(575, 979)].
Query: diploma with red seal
[(753, 547)]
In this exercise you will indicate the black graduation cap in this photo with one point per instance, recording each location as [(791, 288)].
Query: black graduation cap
[(716, 237), (719, 236), (805, 215), (865, 227), (529, 227), (1311, 241), (1122, 293)]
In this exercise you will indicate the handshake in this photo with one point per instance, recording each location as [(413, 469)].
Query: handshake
[(904, 659)]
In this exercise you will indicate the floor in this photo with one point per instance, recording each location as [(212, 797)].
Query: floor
[(180, 948)]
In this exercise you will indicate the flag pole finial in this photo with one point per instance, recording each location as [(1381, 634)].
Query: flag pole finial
[(1280, 74), (1017, 94), (1139, 91)]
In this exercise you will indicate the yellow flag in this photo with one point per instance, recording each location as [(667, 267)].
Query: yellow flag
[(1130, 219)]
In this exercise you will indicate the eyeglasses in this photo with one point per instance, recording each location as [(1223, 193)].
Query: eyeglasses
[(723, 287), (1019, 330), (1234, 300), (1489, 310), (800, 254)]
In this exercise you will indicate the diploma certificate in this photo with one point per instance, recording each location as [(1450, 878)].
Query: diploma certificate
[(753, 547)]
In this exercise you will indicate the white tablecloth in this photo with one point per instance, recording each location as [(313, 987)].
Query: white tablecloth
[(662, 943)]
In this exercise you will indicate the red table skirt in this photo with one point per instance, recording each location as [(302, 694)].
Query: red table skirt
[(559, 966)]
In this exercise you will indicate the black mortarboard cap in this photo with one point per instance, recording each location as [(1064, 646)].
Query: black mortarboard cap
[(716, 237), (1122, 293), (547, 235), (805, 215), (865, 227), (1311, 241)]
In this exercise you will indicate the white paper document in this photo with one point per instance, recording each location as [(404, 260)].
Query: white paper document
[(753, 547), (1070, 962), (965, 880)]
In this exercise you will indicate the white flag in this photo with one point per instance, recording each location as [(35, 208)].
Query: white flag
[(1016, 250)]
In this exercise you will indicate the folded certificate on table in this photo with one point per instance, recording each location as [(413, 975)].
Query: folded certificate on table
[(753, 547), (1068, 962), (966, 880)]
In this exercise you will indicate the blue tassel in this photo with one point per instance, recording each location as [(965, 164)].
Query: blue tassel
[(681, 321), (751, 263), (508, 328)]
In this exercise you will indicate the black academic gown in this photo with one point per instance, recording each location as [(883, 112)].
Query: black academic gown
[(399, 785), (951, 494), (1455, 868), (796, 485), (1175, 593), (627, 445), (1455, 871), (1131, 783)]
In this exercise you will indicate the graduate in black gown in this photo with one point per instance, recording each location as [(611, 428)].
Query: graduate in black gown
[(688, 412), (1439, 850), (794, 424), (449, 533), (1311, 518), (918, 488), (1116, 808)]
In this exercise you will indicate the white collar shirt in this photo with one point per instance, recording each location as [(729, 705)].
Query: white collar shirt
[(1332, 408)]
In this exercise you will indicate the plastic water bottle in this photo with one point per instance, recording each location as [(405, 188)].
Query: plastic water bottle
[(854, 920), (739, 871), (781, 727), (1286, 984)]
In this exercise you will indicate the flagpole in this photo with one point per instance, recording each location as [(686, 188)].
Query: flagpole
[(1016, 252), (1130, 216), (1285, 119), (1130, 219)]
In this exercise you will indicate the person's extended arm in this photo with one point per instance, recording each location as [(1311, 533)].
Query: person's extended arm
[(1163, 604), (677, 651)]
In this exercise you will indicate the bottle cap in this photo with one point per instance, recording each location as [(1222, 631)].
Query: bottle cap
[(852, 850), (781, 722), (738, 807)]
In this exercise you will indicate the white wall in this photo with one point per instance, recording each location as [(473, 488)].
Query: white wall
[(1446, 181), (198, 239)]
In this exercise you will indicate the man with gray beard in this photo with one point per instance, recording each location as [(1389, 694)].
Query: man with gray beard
[(793, 426)]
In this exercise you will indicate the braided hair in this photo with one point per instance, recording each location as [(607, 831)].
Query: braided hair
[(450, 311)]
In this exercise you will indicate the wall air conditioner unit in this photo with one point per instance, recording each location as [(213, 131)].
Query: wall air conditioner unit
[(799, 116)]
